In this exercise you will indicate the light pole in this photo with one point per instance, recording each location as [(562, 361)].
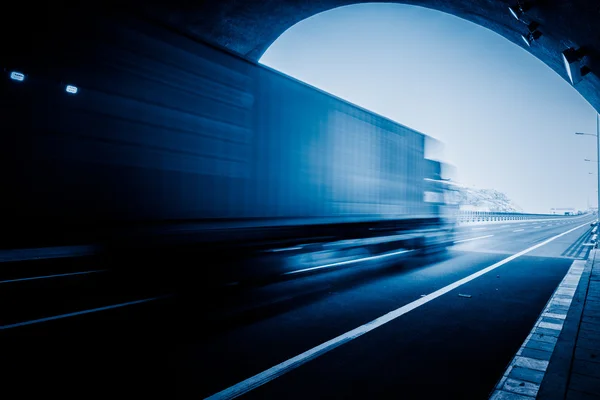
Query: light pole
[(597, 156), (588, 196)]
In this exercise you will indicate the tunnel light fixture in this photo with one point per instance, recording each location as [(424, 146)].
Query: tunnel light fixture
[(71, 89), (519, 10), (532, 35), (17, 76), (572, 60), (516, 12)]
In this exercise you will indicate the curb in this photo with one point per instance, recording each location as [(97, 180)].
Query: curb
[(541, 367), (555, 383)]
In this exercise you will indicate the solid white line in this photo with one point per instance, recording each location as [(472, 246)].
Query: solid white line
[(294, 362), (477, 238), (479, 229), (52, 276), (337, 264), (518, 230), (36, 321)]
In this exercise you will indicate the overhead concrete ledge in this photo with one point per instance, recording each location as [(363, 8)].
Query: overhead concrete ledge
[(249, 27)]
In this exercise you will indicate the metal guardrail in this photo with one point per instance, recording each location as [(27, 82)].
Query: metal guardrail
[(486, 216)]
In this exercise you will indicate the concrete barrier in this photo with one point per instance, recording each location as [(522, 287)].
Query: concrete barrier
[(475, 217)]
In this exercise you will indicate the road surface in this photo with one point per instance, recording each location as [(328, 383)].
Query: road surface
[(456, 322)]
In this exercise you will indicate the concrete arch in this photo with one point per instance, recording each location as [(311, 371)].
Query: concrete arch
[(248, 28)]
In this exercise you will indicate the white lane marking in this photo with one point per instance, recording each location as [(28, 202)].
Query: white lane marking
[(73, 314), (477, 238), (504, 226), (294, 362), (518, 230), (479, 229), (537, 226), (511, 384), (11, 255), (549, 325), (286, 249), (52, 276), (337, 264), (554, 315)]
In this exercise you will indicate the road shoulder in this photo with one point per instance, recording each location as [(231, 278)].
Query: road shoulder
[(531, 366)]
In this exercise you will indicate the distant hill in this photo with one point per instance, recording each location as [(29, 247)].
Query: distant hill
[(484, 200)]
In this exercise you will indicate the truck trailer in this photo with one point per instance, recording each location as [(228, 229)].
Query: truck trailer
[(166, 141)]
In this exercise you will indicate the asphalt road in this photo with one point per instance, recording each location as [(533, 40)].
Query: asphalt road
[(195, 344)]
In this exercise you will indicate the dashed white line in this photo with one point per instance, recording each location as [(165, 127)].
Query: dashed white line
[(294, 362), (73, 314), (52, 276), (479, 229), (477, 238), (337, 264), (285, 249), (518, 230)]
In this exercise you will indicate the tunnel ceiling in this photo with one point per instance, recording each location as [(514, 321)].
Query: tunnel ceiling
[(249, 27)]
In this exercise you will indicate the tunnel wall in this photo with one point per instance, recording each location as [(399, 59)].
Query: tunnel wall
[(167, 129)]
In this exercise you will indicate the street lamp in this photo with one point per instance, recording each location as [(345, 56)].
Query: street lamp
[(597, 134)]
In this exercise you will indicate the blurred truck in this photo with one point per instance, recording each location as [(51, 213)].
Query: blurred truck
[(170, 142)]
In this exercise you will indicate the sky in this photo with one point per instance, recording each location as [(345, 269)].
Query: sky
[(506, 119)]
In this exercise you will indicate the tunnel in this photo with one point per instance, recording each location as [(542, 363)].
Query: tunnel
[(180, 221)]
